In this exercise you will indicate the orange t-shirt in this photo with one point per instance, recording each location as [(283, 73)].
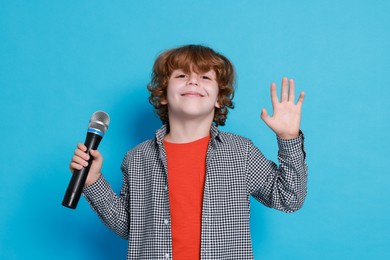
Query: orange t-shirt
[(186, 177)]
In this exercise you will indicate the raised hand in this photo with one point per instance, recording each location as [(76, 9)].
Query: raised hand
[(286, 118)]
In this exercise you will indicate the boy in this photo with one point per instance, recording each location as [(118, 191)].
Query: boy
[(185, 193)]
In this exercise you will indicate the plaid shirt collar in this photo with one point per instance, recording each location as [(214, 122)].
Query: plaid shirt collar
[(164, 129)]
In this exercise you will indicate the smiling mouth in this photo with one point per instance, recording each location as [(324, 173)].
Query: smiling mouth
[(192, 94)]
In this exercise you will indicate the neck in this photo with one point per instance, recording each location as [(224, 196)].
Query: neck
[(187, 131)]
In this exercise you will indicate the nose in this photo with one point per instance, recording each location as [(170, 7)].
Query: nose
[(193, 79)]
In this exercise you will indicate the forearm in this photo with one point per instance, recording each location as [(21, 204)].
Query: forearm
[(110, 208), (292, 172), (282, 186)]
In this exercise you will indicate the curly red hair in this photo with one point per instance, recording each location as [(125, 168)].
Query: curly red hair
[(200, 59)]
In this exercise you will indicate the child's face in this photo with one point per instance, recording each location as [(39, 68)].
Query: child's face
[(192, 94)]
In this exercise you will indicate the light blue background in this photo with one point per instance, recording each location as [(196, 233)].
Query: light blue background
[(62, 60)]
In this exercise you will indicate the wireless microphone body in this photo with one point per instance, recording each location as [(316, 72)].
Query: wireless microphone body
[(96, 129)]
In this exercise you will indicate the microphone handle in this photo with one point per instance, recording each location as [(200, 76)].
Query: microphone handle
[(77, 182)]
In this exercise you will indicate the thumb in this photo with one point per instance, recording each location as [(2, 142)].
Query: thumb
[(264, 115), (96, 155)]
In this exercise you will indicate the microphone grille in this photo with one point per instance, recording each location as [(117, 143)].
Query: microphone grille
[(99, 121)]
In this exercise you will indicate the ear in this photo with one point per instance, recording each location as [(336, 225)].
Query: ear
[(219, 98)]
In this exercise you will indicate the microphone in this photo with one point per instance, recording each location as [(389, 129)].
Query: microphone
[(97, 127)]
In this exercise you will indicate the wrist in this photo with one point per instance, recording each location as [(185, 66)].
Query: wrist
[(92, 178), (288, 136)]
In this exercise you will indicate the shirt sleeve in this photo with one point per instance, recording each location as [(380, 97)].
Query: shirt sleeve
[(110, 208), (282, 186)]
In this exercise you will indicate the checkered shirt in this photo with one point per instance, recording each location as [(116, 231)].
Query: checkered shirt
[(235, 169)]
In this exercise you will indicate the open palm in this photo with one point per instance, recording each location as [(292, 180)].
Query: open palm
[(286, 118)]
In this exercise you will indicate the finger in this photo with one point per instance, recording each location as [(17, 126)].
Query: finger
[(82, 147), (264, 116), (284, 95), (79, 160), (96, 155), (291, 94), (77, 163), (274, 95), (301, 98), (75, 166), (81, 154)]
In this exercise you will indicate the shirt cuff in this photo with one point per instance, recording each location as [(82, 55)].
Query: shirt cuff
[(97, 191), (293, 146)]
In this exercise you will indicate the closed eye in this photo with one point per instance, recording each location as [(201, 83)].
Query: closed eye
[(180, 76), (206, 77)]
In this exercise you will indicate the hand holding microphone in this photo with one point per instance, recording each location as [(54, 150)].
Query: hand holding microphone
[(81, 159), (87, 161)]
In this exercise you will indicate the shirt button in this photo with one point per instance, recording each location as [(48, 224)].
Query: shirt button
[(166, 187), (166, 255), (166, 221)]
